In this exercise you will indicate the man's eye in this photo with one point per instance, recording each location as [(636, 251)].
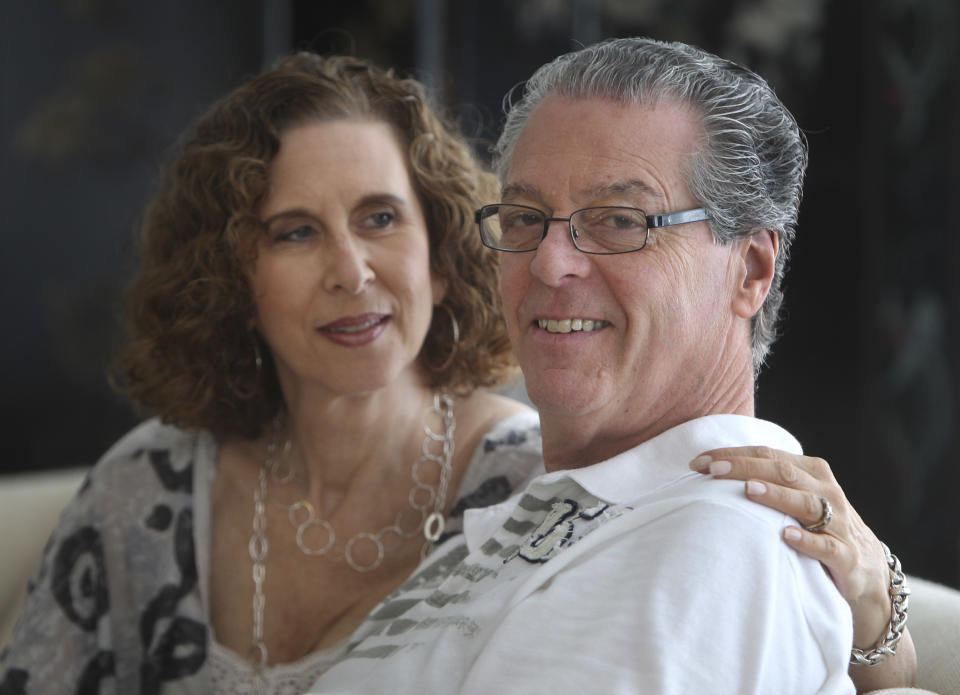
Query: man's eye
[(521, 220), (621, 222), (618, 221)]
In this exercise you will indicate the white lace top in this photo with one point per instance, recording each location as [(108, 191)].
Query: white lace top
[(234, 676)]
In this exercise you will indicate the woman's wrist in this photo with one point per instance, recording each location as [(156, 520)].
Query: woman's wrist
[(895, 662), (897, 600)]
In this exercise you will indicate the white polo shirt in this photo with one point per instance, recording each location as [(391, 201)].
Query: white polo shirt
[(633, 575)]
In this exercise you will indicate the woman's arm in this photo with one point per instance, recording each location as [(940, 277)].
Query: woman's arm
[(850, 551)]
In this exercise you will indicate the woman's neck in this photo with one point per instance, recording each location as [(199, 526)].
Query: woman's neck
[(341, 443)]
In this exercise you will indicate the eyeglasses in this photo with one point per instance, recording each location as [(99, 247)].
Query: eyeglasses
[(599, 230)]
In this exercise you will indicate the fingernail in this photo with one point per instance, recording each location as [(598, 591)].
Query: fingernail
[(755, 488), (700, 464), (720, 467), (792, 533)]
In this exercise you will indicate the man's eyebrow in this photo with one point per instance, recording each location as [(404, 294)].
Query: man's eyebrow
[(520, 190), (618, 188)]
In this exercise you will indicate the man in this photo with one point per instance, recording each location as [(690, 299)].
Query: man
[(650, 193)]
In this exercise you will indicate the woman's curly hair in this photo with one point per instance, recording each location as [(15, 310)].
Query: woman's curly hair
[(192, 357)]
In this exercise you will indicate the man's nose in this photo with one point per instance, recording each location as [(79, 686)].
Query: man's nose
[(557, 257)]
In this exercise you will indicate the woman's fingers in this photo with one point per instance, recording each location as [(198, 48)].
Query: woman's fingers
[(838, 557), (830, 551), (803, 506), (771, 465)]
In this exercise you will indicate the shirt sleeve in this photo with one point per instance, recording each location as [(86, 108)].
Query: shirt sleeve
[(703, 598)]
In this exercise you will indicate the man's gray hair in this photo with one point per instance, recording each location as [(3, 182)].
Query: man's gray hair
[(749, 174)]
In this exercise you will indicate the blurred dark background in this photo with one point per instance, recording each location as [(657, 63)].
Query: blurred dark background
[(867, 374)]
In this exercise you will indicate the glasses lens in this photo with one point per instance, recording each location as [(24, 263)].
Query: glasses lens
[(610, 230), (511, 227)]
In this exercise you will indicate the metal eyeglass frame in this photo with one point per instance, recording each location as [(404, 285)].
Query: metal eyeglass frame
[(667, 219)]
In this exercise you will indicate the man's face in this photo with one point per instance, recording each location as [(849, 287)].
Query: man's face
[(667, 335)]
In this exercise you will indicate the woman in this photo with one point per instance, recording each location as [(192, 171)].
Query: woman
[(314, 321)]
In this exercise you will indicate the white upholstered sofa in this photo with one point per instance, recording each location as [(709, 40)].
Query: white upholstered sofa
[(31, 503)]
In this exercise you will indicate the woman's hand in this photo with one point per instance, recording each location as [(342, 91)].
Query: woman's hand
[(846, 546)]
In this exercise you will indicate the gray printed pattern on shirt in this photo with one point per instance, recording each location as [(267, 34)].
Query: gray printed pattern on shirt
[(439, 595)]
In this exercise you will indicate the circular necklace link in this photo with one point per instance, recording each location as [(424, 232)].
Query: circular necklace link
[(434, 527), (310, 523), (348, 551)]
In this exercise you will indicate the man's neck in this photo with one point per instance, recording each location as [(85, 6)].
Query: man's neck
[(582, 440)]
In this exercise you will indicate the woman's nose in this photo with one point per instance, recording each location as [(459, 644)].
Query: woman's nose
[(347, 268)]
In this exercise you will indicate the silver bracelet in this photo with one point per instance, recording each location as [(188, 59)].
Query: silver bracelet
[(899, 600)]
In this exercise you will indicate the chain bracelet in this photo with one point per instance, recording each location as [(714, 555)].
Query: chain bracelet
[(899, 602)]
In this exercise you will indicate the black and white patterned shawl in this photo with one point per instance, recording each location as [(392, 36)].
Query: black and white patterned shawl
[(118, 603)]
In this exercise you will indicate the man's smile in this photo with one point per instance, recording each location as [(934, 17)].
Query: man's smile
[(571, 325)]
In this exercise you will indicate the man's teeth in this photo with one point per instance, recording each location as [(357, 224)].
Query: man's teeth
[(569, 325), (357, 328)]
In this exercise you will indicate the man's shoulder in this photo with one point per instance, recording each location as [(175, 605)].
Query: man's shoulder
[(657, 472), (711, 515), (704, 499), (700, 434)]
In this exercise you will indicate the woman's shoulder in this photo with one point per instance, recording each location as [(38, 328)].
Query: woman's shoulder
[(488, 421), (120, 568), (152, 435), (504, 451), (150, 456), (137, 501), (483, 409)]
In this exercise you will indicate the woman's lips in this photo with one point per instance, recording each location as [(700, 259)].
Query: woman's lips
[(355, 331)]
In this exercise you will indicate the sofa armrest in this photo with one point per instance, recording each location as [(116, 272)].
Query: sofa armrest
[(30, 506)]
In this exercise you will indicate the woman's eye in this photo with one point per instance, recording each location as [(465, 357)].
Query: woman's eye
[(300, 233), (381, 219)]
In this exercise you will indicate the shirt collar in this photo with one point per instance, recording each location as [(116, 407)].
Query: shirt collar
[(645, 468), (664, 459)]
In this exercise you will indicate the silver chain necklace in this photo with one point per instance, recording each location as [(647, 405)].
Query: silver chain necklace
[(428, 500)]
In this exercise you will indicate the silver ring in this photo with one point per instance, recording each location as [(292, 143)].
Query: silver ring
[(824, 518)]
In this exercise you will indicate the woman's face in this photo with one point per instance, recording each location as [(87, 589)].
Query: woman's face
[(342, 281)]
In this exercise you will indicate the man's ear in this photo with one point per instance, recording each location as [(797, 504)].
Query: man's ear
[(758, 259)]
